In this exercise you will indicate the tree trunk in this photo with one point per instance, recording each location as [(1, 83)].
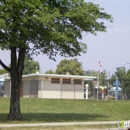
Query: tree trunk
[(17, 66), (15, 112)]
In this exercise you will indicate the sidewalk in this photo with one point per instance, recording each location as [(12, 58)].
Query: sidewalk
[(63, 124)]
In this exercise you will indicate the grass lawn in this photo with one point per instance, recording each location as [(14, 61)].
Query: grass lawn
[(60, 110)]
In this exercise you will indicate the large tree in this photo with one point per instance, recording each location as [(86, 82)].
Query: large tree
[(31, 66), (120, 73), (126, 82), (52, 27), (72, 67), (102, 76), (50, 72)]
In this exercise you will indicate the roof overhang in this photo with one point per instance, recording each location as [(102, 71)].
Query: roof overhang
[(85, 78)]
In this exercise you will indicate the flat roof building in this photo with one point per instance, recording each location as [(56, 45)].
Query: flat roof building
[(54, 86)]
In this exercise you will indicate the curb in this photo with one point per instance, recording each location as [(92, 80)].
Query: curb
[(58, 124)]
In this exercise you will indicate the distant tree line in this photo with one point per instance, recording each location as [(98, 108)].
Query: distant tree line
[(74, 67), (30, 67)]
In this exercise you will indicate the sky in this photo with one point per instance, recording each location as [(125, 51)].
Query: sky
[(112, 48)]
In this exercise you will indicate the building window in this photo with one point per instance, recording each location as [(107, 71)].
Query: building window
[(66, 81), (77, 81), (55, 80)]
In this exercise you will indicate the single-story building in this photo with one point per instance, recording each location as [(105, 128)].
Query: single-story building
[(2, 80), (1, 86), (50, 86)]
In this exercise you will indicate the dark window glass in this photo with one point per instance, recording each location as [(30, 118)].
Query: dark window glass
[(55, 80), (66, 81), (77, 81)]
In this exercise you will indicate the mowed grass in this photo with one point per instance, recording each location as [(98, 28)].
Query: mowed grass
[(61, 110)]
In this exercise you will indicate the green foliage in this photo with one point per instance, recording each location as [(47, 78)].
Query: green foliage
[(3, 71), (113, 78), (52, 27), (31, 67), (126, 82), (91, 85), (102, 77), (120, 73), (91, 73), (72, 67), (123, 77), (50, 72)]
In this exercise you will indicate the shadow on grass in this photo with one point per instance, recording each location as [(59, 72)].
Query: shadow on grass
[(56, 117)]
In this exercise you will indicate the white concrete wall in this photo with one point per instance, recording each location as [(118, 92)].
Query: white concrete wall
[(79, 94), (79, 91), (51, 90), (67, 91), (67, 94), (26, 88), (40, 88), (43, 88), (34, 88), (30, 88), (46, 89)]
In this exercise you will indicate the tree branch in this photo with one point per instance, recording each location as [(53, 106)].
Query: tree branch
[(4, 66)]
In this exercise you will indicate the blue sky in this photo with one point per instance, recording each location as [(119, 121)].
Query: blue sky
[(112, 48)]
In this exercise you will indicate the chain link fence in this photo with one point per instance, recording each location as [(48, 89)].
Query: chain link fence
[(95, 93)]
